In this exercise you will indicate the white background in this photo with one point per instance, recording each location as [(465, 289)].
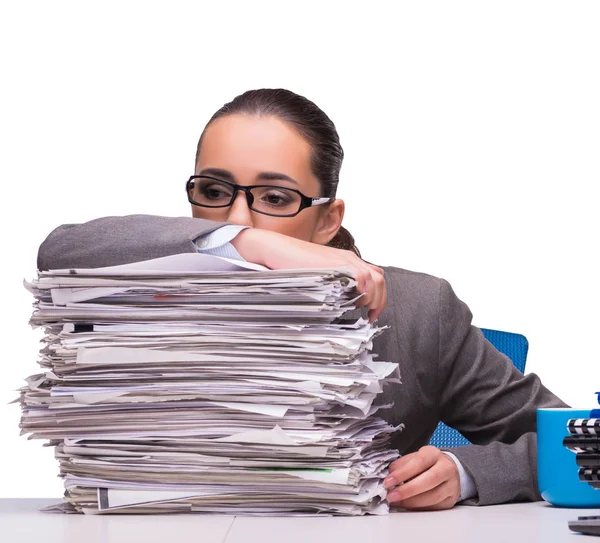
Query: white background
[(471, 131)]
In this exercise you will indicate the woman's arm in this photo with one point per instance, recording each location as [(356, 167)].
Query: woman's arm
[(492, 404), (277, 251), (111, 241), (458, 376)]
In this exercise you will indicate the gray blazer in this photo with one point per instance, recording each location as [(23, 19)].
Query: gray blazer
[(449, 371)]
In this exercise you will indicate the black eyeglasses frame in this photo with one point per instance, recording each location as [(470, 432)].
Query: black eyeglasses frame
[(305, 201)]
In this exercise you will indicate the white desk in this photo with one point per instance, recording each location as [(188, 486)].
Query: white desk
[(20, 521)]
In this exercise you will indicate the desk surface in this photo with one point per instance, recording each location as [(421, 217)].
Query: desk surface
[(20, 521)]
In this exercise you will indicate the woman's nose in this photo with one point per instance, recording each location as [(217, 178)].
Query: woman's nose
[(239, 212)]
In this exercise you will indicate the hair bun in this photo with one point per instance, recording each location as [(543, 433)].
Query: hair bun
[(344, 240)]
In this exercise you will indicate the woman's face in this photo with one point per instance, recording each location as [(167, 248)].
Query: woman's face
[(252, 150)]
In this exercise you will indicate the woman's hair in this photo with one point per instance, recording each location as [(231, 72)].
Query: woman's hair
[(312, 124)]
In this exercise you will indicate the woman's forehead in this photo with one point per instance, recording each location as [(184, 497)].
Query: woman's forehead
[(247, 145)]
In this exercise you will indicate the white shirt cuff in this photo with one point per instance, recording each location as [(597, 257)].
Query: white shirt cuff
[(467, 484), (217, 243)]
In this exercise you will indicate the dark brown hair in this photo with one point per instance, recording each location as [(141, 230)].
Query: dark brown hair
[(312, 124)]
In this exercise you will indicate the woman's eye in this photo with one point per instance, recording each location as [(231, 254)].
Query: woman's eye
[(214, 193), (274, 198)]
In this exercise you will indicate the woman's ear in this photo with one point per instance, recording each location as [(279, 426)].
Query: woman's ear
[(329, 222)]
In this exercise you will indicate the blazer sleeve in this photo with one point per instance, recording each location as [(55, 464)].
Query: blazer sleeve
[(110, 241), (492, 404)]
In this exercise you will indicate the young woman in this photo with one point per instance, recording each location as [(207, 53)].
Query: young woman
[(266, 174)]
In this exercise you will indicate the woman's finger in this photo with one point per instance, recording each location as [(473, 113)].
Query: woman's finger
[(365, 285), (437, 498), (384, 303), (430, 477), (411, 465), (420, 484), (378, 269), (373, 278), (362, 285), (379, 300)]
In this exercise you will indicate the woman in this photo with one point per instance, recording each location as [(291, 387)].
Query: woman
[(266, 174)]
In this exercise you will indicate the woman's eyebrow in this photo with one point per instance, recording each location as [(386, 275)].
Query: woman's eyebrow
[(275, 176), (218, 172), (263, 176)]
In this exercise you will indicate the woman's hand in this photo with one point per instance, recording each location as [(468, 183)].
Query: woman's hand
[(279, 252), (430, 481)]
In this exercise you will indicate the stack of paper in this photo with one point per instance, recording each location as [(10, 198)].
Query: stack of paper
[(194, 383)]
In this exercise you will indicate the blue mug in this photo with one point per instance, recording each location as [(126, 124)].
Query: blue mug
[(558, 479)]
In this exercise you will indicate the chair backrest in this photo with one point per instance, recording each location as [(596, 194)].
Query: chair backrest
[(515, 346)]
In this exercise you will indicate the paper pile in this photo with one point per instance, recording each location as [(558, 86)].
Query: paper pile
[(194, 383)]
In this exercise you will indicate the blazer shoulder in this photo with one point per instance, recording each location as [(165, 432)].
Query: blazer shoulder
[(110, 241), (421, 299), (412, 285)]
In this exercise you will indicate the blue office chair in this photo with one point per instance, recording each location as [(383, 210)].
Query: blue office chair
[(514, 346)]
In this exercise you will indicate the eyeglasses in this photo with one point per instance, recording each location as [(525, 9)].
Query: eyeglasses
[(206, 191)]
